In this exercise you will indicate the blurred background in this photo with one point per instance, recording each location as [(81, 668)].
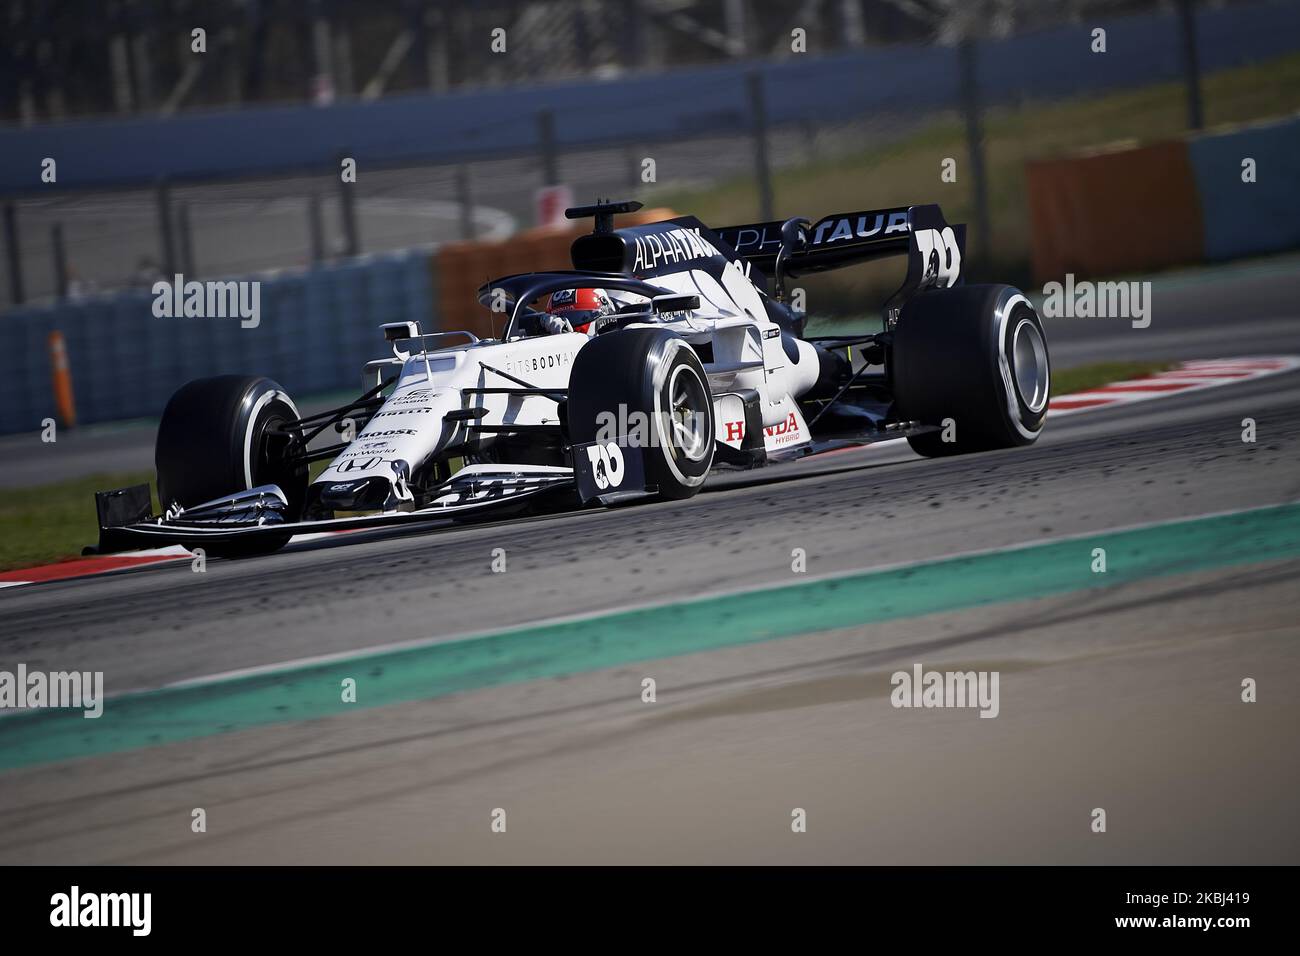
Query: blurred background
[(145, 138), (371, 162)]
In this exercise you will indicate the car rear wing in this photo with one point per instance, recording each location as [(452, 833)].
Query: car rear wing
[(934, 248)]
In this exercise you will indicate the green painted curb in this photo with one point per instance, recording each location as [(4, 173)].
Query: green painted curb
[(307, 691)]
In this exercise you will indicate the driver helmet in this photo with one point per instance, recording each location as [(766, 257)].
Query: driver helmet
[(580, 307)]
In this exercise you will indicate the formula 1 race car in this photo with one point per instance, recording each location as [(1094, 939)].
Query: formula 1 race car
[(693, 362)]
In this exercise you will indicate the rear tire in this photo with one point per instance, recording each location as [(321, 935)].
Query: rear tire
[(657, 374), (215, 438), (977, 355)]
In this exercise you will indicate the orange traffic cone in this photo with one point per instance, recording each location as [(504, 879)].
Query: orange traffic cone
[(63, 399)]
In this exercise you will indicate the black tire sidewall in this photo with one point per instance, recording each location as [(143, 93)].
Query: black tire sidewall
[(200, 453), (634, 368), (947, 362)]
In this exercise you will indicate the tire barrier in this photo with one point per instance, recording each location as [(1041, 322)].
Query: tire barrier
[(1249, 217), (1113, 211), (1173, 203)]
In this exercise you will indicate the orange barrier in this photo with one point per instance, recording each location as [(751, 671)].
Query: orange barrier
[(1114, 211), (464, 266), (64, 402)]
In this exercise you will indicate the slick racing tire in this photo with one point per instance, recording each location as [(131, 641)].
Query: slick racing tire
[(656, 376), (975, 355), (217, 437)]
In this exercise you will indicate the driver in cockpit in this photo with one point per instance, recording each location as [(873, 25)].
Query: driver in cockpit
[(577, 310)]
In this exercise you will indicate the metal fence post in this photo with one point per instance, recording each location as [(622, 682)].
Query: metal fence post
[(633, 169), (167, 245), (186, 240), (762, 168), (465, 198), (1191, 66), (966, 55), (60, 261), (546, 137), (347, 207), (13, 255), (315, 232)]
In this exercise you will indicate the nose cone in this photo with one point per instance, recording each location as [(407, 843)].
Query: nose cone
[(409, 430)]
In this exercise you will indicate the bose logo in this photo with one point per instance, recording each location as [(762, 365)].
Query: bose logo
[(606, 464)]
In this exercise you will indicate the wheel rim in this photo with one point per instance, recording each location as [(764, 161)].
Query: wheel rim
[(266, 466), (687, 411), (1029, 363)]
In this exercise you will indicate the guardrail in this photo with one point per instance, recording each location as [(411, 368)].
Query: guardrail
[(1130, 209)]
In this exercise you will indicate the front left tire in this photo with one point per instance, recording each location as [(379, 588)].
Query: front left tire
[(655, 374)]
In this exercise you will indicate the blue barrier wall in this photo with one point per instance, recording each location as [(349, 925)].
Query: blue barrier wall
[(1242, 218), (420, 127), (317, 329)]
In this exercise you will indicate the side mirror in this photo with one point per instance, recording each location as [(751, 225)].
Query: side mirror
[(794, 239), (393, 331), (674, 303)]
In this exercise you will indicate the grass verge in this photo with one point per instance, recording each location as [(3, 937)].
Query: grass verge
[(54, 522)]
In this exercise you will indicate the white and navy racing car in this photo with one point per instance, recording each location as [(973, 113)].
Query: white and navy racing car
[(668, 353)]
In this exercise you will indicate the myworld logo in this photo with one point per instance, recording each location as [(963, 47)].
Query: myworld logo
[(208, 300)]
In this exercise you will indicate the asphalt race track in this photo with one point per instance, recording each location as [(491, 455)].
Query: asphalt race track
[(1124, 696)]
